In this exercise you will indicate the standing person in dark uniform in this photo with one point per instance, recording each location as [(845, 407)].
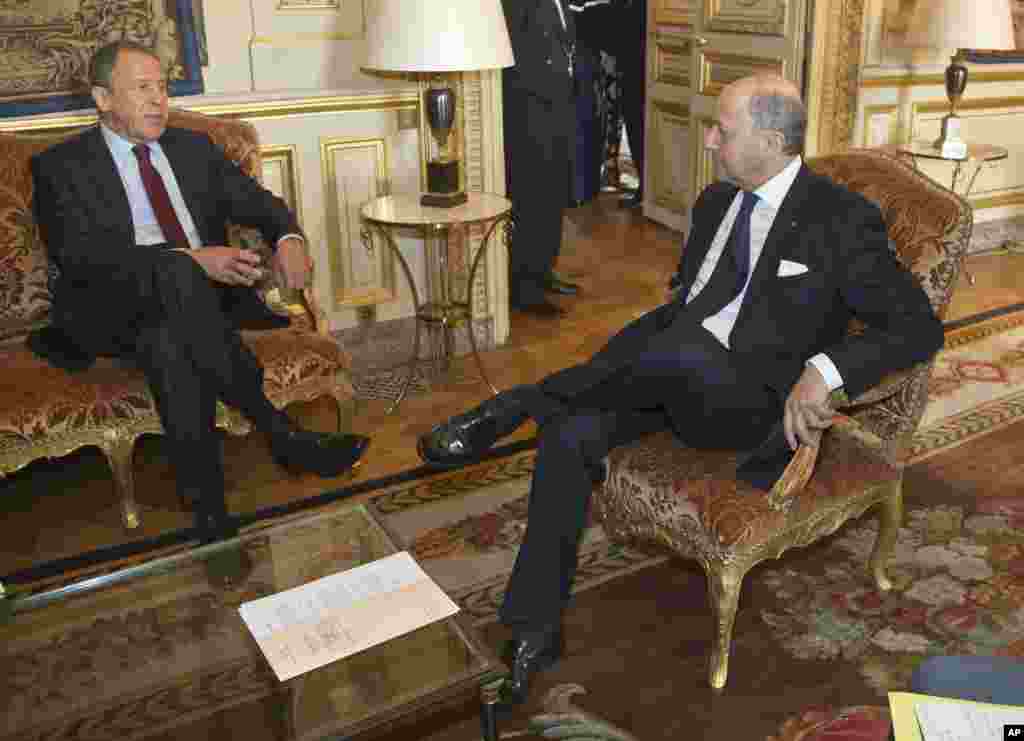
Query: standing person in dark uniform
[(540, 126), (619, 29), (631, 63)]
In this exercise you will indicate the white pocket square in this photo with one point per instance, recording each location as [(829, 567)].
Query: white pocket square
[(788, 268)]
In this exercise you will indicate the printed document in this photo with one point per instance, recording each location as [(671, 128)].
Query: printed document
[(917, 717), (310, 626)]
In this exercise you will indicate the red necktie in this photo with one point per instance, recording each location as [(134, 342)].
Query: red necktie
[(159, 200)]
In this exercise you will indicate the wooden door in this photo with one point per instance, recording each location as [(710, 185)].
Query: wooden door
[(694, 49)]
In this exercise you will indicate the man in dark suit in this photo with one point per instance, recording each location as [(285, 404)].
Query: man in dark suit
[(540, 133), (133, 215), (743, 356)]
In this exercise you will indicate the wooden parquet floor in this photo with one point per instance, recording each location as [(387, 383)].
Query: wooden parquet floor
[(59, 508)]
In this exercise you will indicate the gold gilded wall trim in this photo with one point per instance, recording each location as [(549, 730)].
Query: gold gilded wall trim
[(975, 76), (755, 16), (304, 38), (344, 227), (672, 60), (264, 109), (976, 104), (718, 70), (834, 74), (674, 12), (284, 158), (1006, 199), (289, 5)]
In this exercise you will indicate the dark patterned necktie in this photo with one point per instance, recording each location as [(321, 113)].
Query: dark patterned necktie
[(731, 270), (159, 200), (739, 241)]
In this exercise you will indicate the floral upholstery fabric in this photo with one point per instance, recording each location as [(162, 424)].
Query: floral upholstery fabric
[(694, 494), (45, 411), (858, 723)]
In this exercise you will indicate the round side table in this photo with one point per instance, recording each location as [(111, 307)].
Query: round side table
[(445, 310)]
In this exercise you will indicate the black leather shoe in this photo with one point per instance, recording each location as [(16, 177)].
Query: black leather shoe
[(468, 437), (326, 454), (525, 657), (554, 284), (632, 199), (542, 309)]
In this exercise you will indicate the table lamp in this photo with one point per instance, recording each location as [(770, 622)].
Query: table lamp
[(433, 37), (961, 26)]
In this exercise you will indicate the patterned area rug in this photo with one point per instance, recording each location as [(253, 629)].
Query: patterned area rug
[(958, 573), (977, 386), (465, 530)]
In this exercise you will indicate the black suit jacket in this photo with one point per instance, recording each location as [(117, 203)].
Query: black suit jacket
[(83, 214), (851, 272), (540, 46)]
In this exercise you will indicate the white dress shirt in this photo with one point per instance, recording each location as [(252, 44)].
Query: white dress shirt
[(769, 199), (147, 230)]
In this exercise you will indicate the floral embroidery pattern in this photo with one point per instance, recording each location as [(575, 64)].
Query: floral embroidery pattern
[(959, 589)]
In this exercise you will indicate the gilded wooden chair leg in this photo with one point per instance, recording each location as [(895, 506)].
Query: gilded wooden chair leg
[(724, 592), (890, 517), (118, 450)]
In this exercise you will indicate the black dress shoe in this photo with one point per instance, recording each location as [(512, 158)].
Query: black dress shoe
[(525, 656), (326, 454), (468, 437), (632, 199), (542, 309), (553, 284)]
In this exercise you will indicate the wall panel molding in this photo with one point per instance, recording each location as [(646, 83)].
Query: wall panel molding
[(354, 172)]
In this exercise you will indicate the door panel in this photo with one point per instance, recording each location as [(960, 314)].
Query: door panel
[(724, 40)]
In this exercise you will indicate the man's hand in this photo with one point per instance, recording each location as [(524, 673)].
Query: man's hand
[(807, 409), (292, 264), (231, 265)]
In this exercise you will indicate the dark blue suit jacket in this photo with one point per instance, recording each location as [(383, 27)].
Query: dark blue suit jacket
[(83, 214), (851, 273)]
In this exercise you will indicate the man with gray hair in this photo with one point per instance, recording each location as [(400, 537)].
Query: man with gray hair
[(133, 214), (743, 355)]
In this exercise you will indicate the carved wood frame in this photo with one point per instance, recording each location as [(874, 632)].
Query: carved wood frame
[(834, 74)]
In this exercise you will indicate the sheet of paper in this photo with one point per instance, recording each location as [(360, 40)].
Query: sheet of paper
[(946, 721), (309, 626), (944, 716)]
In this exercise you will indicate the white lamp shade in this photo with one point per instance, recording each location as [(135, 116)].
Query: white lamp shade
[(437, 36), (961, 24)]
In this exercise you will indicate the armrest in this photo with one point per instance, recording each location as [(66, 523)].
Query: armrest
[(800, 469)]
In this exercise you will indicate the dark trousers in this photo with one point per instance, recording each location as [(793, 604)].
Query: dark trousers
[(683, 379), (631, 63), (539, 155), (192, 354)]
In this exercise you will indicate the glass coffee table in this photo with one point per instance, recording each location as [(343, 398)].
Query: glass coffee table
[(160, 649)]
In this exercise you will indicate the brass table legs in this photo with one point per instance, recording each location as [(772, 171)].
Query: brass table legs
[(445, 311)]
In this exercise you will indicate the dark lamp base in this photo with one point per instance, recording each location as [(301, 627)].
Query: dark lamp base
[(443, 200), (443, 177)]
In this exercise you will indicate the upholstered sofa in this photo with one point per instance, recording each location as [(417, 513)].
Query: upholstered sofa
[(46, 412)]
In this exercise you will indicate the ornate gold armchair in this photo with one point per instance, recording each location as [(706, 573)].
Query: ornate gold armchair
[(46, 412), (659, 491)]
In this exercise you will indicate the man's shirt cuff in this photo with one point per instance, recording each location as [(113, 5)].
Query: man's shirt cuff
[(286, 236), (824, 365)]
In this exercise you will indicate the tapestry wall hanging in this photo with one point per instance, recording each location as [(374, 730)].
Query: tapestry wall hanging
[(46, 45)]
